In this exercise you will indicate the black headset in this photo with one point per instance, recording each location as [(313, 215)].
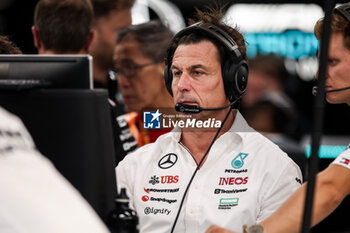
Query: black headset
[(344, 10), (234, 70)]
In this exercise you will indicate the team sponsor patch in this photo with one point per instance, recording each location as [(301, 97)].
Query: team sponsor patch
[(167, 161), (229, 191), (238, 161), (228, 203), (236, 171), (161, 190), (146, 198), (233, 180), (164, 179), (155, 211), (154, 180)]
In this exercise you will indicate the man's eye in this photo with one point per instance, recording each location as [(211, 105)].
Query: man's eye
[(197, 73), (332, 62), (177, 73)]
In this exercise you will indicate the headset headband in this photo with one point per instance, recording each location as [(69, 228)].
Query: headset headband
[(344, 10), (214, 31)]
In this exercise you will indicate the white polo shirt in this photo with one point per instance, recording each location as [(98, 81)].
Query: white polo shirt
[(34, 196), (244, 179), (343, 159)]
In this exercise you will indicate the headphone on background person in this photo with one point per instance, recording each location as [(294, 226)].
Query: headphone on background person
[(235, 69), (343, 10)]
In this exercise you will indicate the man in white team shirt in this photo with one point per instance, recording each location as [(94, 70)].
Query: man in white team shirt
[(34, 196), (244, 177), (332, 184)]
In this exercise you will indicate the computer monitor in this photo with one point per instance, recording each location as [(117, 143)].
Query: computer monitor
[(18, 72), (72, 127)]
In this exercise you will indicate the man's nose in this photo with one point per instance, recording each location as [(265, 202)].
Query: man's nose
[(184, 83)]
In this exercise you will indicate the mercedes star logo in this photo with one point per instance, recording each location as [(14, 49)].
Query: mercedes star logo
[(167, 161)]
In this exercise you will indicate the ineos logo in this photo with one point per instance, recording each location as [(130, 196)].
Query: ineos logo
[(167, 161)]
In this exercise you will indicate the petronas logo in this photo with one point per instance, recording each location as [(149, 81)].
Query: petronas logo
[(238, 161)]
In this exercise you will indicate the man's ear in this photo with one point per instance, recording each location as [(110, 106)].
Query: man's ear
[(90, 40), (36, 37)]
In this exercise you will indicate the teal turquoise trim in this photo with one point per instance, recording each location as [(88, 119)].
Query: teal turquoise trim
[(326, 151)]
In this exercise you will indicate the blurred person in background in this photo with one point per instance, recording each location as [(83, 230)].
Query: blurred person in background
[(266, 106), (109, 17), (139, 65), (8, 47), (63, 26), (66, 27), (332, 184)]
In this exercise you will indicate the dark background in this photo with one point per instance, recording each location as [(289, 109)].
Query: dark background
[(16, 16), (16, 19)]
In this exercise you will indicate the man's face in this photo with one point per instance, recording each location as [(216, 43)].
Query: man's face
[(338, 71), (140, 79), (197, 78), (106, 36)]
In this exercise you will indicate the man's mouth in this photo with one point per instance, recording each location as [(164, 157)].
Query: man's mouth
[(188, 102)]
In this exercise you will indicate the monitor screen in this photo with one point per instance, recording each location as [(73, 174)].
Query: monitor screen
[(72, 128), (45, 71)]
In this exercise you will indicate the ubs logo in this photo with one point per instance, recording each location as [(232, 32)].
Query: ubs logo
[(167, 161), (164, 180), (154, 180)]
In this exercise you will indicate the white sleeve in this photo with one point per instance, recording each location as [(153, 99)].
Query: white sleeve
[(284, 186), (34, 196), (343, 159)]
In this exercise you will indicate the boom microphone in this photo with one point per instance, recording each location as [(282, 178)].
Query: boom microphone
[(184, 108), (315, 89), (340, 89)]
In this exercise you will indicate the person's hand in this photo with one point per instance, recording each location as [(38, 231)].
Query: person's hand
[(217, 229)]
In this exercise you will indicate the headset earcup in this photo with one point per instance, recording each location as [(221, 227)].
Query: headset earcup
[(235, 77), (241, 77), (168, 79)]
